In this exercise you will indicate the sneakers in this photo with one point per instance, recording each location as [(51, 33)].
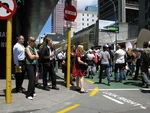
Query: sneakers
[(109, 84), (34, 95), (30, 98)]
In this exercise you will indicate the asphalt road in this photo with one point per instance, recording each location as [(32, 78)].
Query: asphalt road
[(110, 101), (125, 97)]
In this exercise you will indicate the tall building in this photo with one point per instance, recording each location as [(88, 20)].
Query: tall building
[(123, 12), (84, 19), (144, 14), (58, 16), (126, 10)]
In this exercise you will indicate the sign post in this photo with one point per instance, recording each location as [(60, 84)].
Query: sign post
[(7, 9), (70, 14)]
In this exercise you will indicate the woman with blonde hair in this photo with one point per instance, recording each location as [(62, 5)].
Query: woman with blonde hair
[(77, 69), (31, 60)]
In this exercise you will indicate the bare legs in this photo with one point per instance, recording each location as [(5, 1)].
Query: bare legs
[(80, 83)]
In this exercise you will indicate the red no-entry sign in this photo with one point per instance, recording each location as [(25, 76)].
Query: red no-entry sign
[(7, 8), (70, 12)]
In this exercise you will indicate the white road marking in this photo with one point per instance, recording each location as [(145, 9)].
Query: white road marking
[(117, 89), (119, 102), (123, 99)]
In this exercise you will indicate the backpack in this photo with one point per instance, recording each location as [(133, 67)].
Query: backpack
[(146, 55)]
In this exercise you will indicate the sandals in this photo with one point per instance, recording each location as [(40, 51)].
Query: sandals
[(78, 89), (83, 91)]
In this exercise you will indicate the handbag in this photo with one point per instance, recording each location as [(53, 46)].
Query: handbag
[(63, 63)]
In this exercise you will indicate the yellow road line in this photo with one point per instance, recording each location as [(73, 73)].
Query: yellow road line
[(94, 91), (90, 81), (69, 108)]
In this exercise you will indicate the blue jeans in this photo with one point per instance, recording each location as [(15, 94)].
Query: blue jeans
[(119, 75), (106, 68)]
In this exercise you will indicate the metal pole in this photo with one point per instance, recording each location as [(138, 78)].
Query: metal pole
[(8, 61), (115, 14), (68, 57)]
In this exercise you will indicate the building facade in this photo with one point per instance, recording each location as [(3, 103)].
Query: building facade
[(84, 19), (144, 14), (123, 12), (126, 10), (58, 16)]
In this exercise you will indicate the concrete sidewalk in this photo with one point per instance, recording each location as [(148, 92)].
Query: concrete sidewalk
[(44, 102)]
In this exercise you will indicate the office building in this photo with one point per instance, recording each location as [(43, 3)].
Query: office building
[(58, 16), (144, 14), (125, 13), (126, 10), (84, 19)]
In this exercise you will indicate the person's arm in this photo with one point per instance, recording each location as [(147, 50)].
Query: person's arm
[(108, 56), (36, 54), (30, 54), (15, 56), (80, 61)]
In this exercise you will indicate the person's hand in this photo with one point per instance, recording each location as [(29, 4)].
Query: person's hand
[(85, 63), (51, 56)]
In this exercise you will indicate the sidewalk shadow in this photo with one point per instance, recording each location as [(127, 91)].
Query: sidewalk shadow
[(61, 83), (3, 93), (103, 83), (73, 88), (145, 90), (58, 77), (133, 83)]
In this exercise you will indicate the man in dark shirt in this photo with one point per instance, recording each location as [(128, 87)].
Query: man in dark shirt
[(48, 61)]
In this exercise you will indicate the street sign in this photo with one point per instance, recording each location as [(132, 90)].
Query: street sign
[(7, 8), (70, 13), (70, 24)]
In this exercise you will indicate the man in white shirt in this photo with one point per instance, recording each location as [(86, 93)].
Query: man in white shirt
[(60, 58), (119, 63), (19, 60)]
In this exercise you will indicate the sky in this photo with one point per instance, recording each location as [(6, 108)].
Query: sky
[(81, 4)]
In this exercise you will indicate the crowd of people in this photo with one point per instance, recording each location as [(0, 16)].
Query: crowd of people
[(34, 61), (120, 63), (41, 61)]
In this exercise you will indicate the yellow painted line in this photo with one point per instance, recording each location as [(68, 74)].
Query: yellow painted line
[(94, 91), (90, 81), (69, 108)]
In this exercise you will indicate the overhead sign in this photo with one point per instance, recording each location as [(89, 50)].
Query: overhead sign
[(109, 26), (70, 12), (7, 8)]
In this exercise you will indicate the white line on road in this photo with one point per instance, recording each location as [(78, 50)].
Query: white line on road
[(117, 89), (119, 102), (123, 99)]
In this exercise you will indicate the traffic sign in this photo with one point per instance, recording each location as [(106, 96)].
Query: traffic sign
[(70, 12), (7, 8), (70, 24)]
